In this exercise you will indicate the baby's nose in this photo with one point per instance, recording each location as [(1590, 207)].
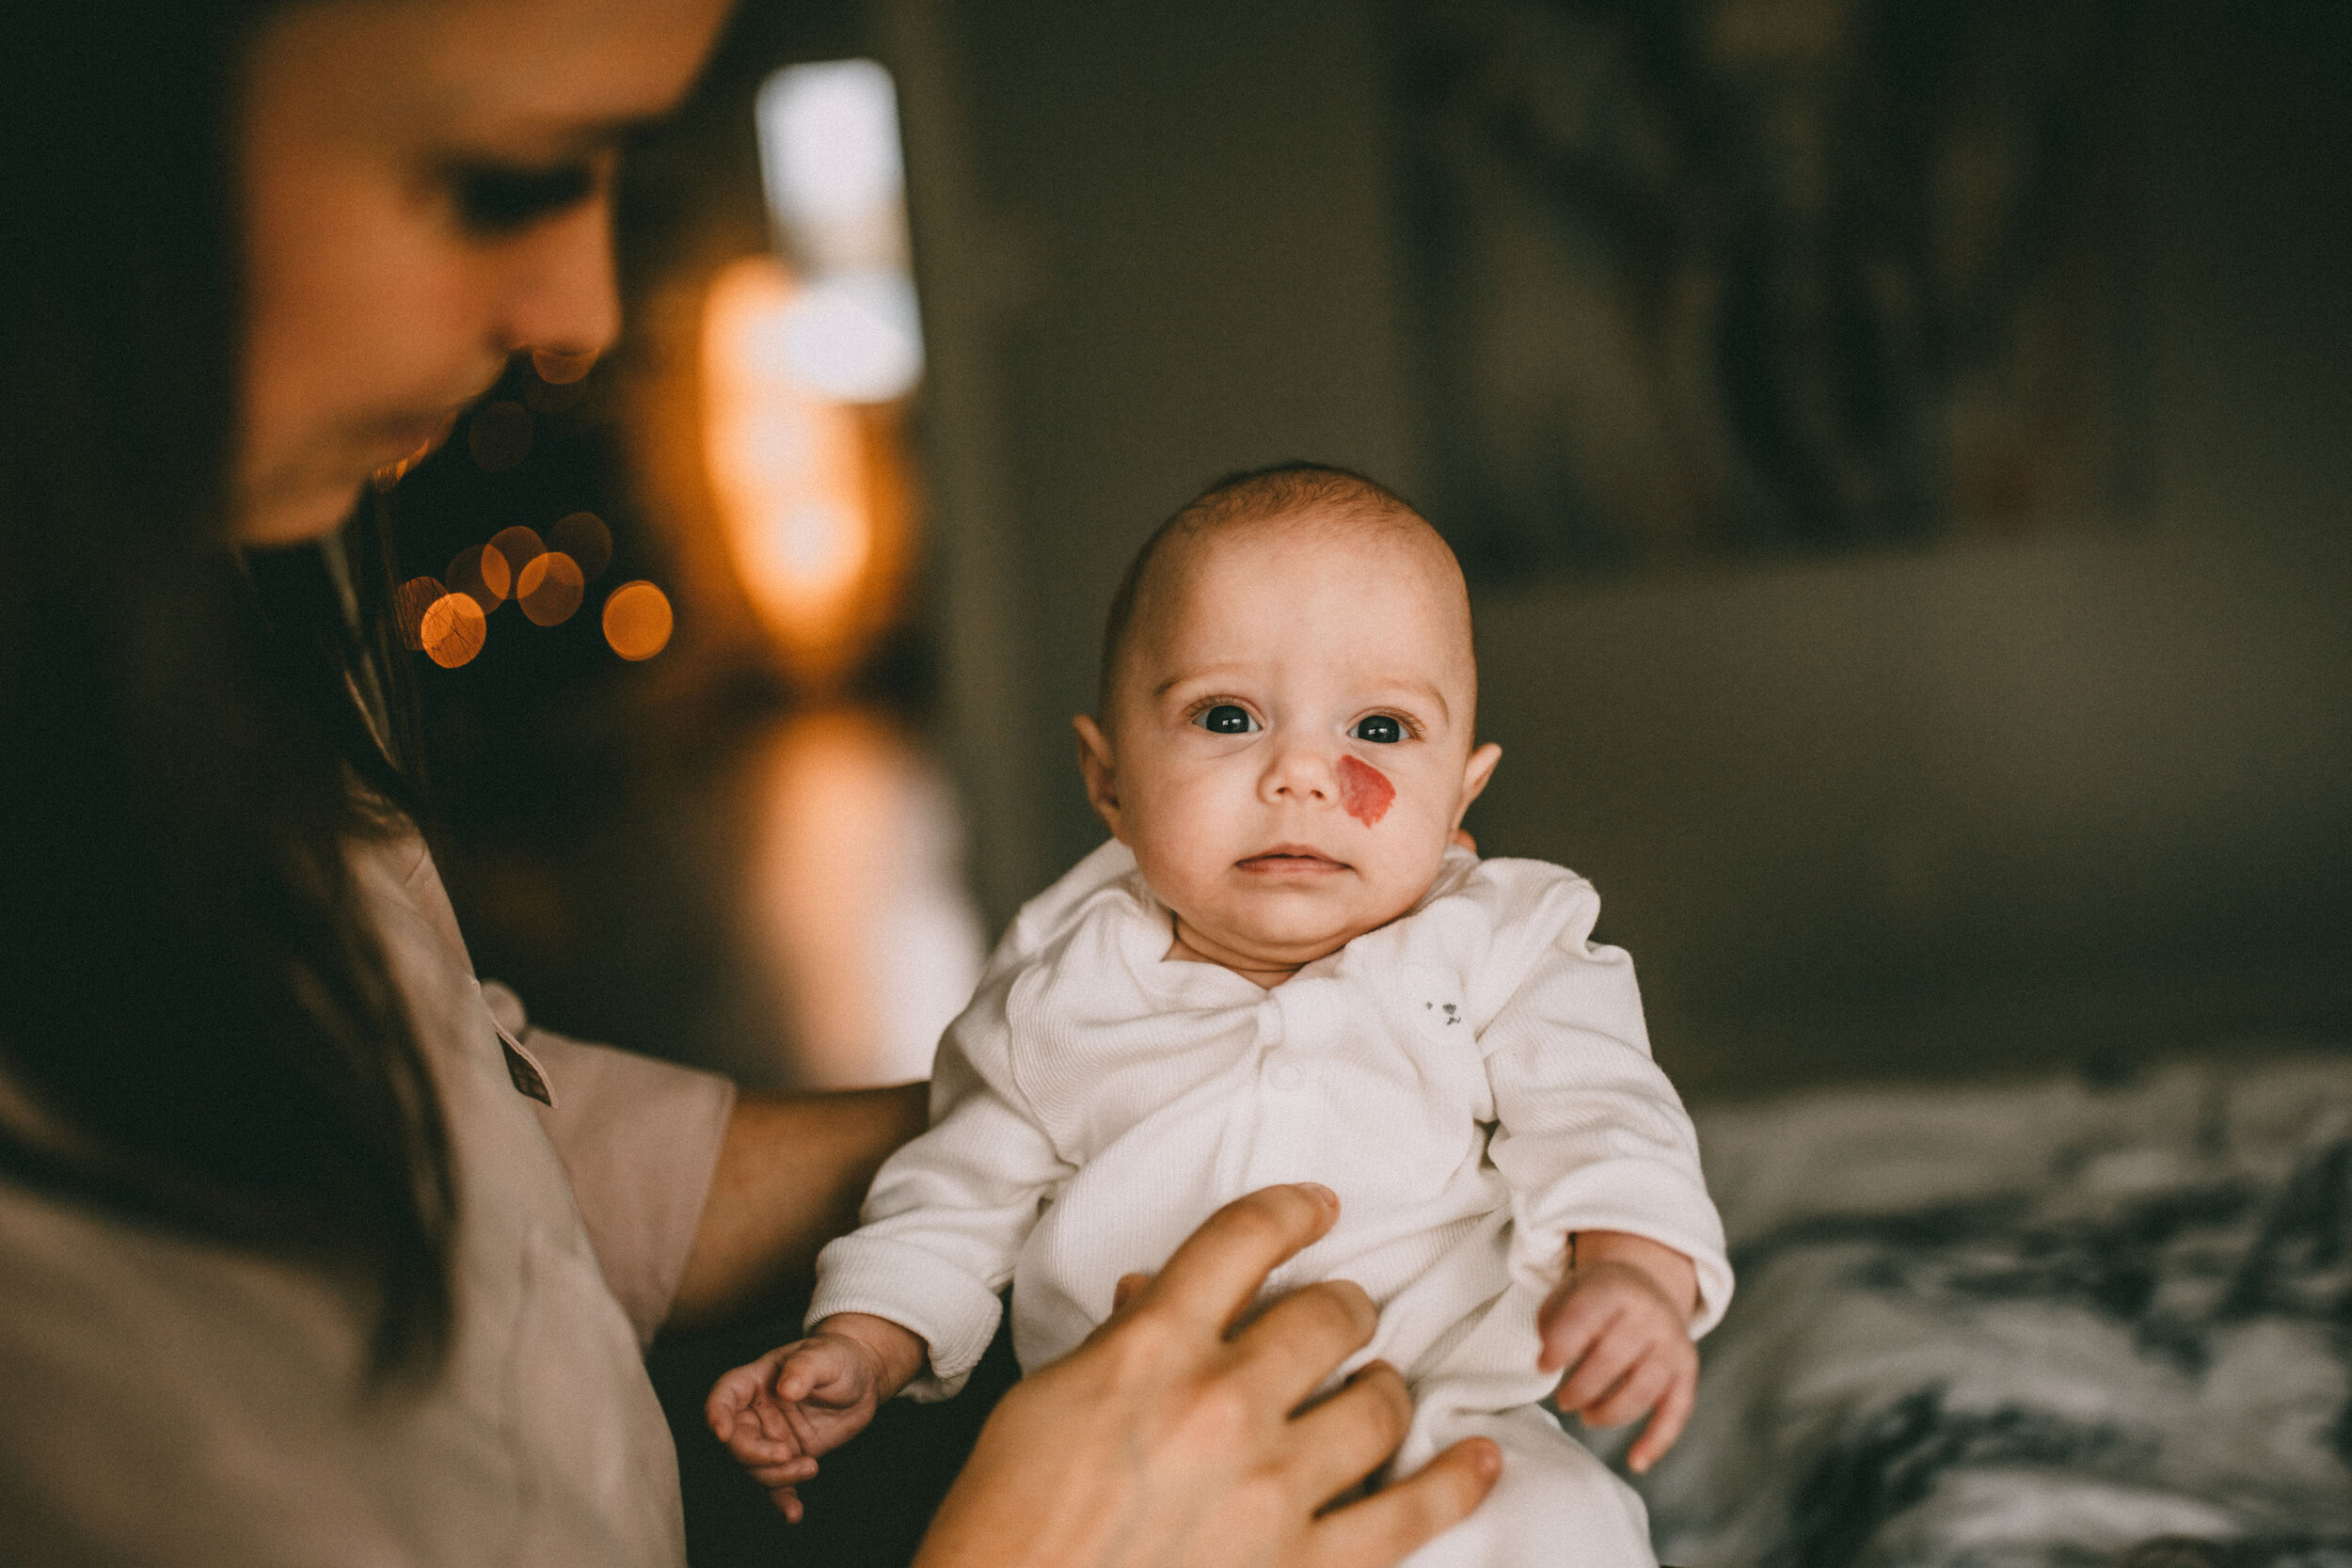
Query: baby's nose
[(1301, 773)]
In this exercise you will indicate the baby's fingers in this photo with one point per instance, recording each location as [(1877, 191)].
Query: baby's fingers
[(1636, 1396), (735, 1394), (812, 1369), (798, 1381), (752, 1448), (1602, 1366), (785, 1474), (1570, 1323), (781, 1480), (1674, 1412)]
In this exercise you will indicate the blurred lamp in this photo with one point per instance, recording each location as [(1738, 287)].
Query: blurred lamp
[(852, 336), (836, 180)]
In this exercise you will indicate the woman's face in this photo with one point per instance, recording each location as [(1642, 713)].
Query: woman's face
[(427, 188)]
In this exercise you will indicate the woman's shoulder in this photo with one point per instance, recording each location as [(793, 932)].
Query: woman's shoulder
[(395, 871)]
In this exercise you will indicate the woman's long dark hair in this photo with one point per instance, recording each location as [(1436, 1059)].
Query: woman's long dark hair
[(197, 1027)]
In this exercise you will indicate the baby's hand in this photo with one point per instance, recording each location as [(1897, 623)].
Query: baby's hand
[(1629, 1346), (808, 1398)]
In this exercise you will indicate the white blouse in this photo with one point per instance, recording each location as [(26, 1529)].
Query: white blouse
[(168, 1401)]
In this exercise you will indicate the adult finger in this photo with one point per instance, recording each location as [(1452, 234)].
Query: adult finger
[(1293, 1344), (1383, 1528), (1674, 1413), (1219, 1268), (1347, 1437)]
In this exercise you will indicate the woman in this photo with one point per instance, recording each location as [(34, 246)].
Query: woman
[(311, 1249)]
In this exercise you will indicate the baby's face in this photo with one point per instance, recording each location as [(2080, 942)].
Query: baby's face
[(1289, 742)]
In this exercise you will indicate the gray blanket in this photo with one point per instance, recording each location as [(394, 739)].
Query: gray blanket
[(2030, 1325)]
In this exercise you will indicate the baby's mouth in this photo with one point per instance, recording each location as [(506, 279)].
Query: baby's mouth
[(1293, 857)]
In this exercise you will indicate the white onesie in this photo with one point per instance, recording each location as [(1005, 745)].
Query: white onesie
[(1473, 1080)]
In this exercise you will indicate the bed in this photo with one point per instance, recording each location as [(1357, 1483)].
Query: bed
[(2038, 1325)]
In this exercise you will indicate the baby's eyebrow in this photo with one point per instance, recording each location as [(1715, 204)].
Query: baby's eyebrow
[(1417, 688), (1211, 673), (1434, 693)]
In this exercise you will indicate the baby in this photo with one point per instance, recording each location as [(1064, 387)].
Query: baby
[(1286, 967)]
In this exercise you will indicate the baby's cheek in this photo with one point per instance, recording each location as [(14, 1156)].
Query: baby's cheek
[(1365, 792)]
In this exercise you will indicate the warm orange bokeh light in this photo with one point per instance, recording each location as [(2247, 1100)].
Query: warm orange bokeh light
[(516, 546), (480, 572), (796, 492), (583, 536), (637, 621), (454, 631), (497, 573), (550, 587), (410, 600)]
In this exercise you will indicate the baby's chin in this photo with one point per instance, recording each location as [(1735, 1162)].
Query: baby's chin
[(1278, 942)]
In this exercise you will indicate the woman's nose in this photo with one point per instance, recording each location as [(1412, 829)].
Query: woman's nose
[(560, 291)]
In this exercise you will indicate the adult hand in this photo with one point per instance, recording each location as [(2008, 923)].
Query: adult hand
[(1170, 1439)]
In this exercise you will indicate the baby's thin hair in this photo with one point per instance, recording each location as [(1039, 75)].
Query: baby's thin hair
[(1248, 496)]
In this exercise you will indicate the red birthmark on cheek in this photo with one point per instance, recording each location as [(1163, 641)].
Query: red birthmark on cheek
[(1364, 791)]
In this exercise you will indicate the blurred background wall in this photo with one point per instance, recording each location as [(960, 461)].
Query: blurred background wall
[(1925, 809), (1949, 803)]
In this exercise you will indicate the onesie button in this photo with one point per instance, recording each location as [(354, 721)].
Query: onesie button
[(1285, 1075)]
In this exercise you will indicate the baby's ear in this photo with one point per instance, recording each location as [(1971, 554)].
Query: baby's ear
[(1101, 772), (1475, 773)]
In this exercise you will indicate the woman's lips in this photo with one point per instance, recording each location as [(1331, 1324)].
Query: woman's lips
[(412, 436), (401, 445)]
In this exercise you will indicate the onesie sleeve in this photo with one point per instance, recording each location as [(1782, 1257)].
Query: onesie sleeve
[(947, 1214), (1590, 1135)]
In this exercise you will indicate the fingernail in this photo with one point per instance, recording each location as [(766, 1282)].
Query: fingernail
[(1323, 1193), (1490, 1461)]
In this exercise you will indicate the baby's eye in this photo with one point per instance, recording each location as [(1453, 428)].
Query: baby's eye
[(1227, 718), (1381, 729)]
